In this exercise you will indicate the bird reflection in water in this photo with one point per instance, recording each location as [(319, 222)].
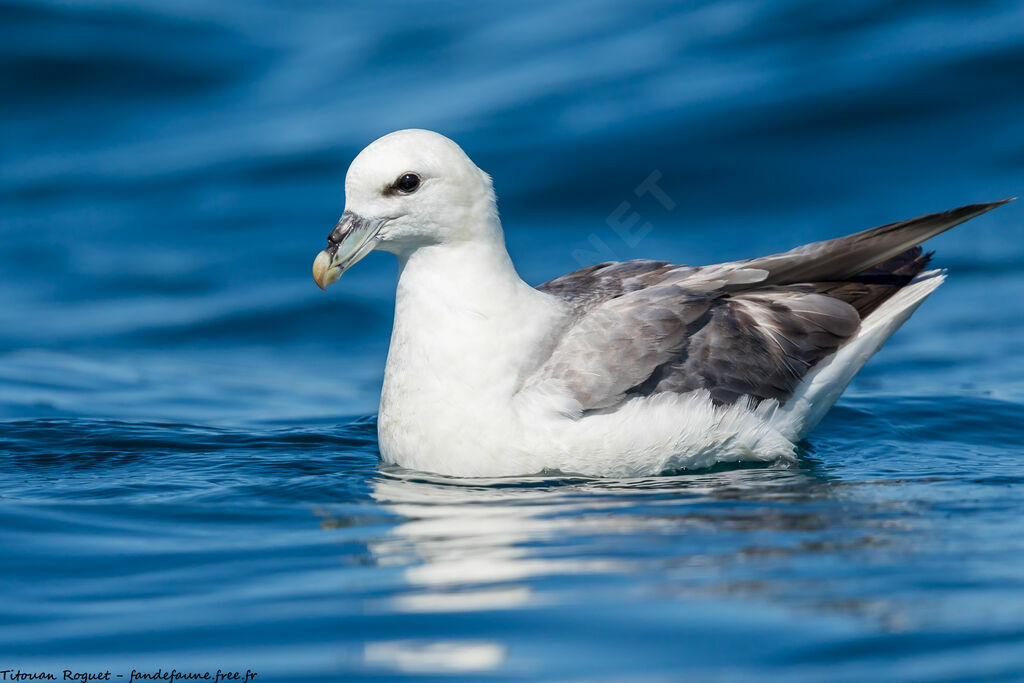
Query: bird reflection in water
[(736, 533)]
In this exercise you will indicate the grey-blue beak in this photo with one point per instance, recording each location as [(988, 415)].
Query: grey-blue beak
[(352, 239)]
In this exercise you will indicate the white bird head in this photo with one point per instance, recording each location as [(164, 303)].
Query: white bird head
[(407, 190)]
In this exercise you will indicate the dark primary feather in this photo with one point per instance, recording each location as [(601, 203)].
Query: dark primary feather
[(844, 257), (750, 328)]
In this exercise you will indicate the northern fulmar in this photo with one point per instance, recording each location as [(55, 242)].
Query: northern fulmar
[(619, 369)]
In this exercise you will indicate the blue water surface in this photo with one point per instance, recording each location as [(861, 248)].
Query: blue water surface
[(188, 459)]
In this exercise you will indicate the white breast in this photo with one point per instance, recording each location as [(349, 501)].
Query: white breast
[(466, 332)]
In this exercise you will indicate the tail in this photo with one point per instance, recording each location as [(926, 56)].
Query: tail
[(821, 387)]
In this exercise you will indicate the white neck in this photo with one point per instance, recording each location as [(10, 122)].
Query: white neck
[(467, 332), (465, 305)]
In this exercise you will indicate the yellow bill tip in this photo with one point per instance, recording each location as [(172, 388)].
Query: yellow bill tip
[(324, 272)]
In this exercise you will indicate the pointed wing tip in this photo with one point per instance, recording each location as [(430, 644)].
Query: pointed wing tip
[(970, 211), (992, 205)]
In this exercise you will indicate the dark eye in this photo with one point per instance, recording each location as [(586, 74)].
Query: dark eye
[(407, 183)]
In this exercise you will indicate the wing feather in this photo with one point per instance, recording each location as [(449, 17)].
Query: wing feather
[(745, 329)]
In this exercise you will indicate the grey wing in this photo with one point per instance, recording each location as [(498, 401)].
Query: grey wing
[(588, 286), (669, 338), (585, 288), (748, 328), (757, 344), (618, 342), (834, 260)]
